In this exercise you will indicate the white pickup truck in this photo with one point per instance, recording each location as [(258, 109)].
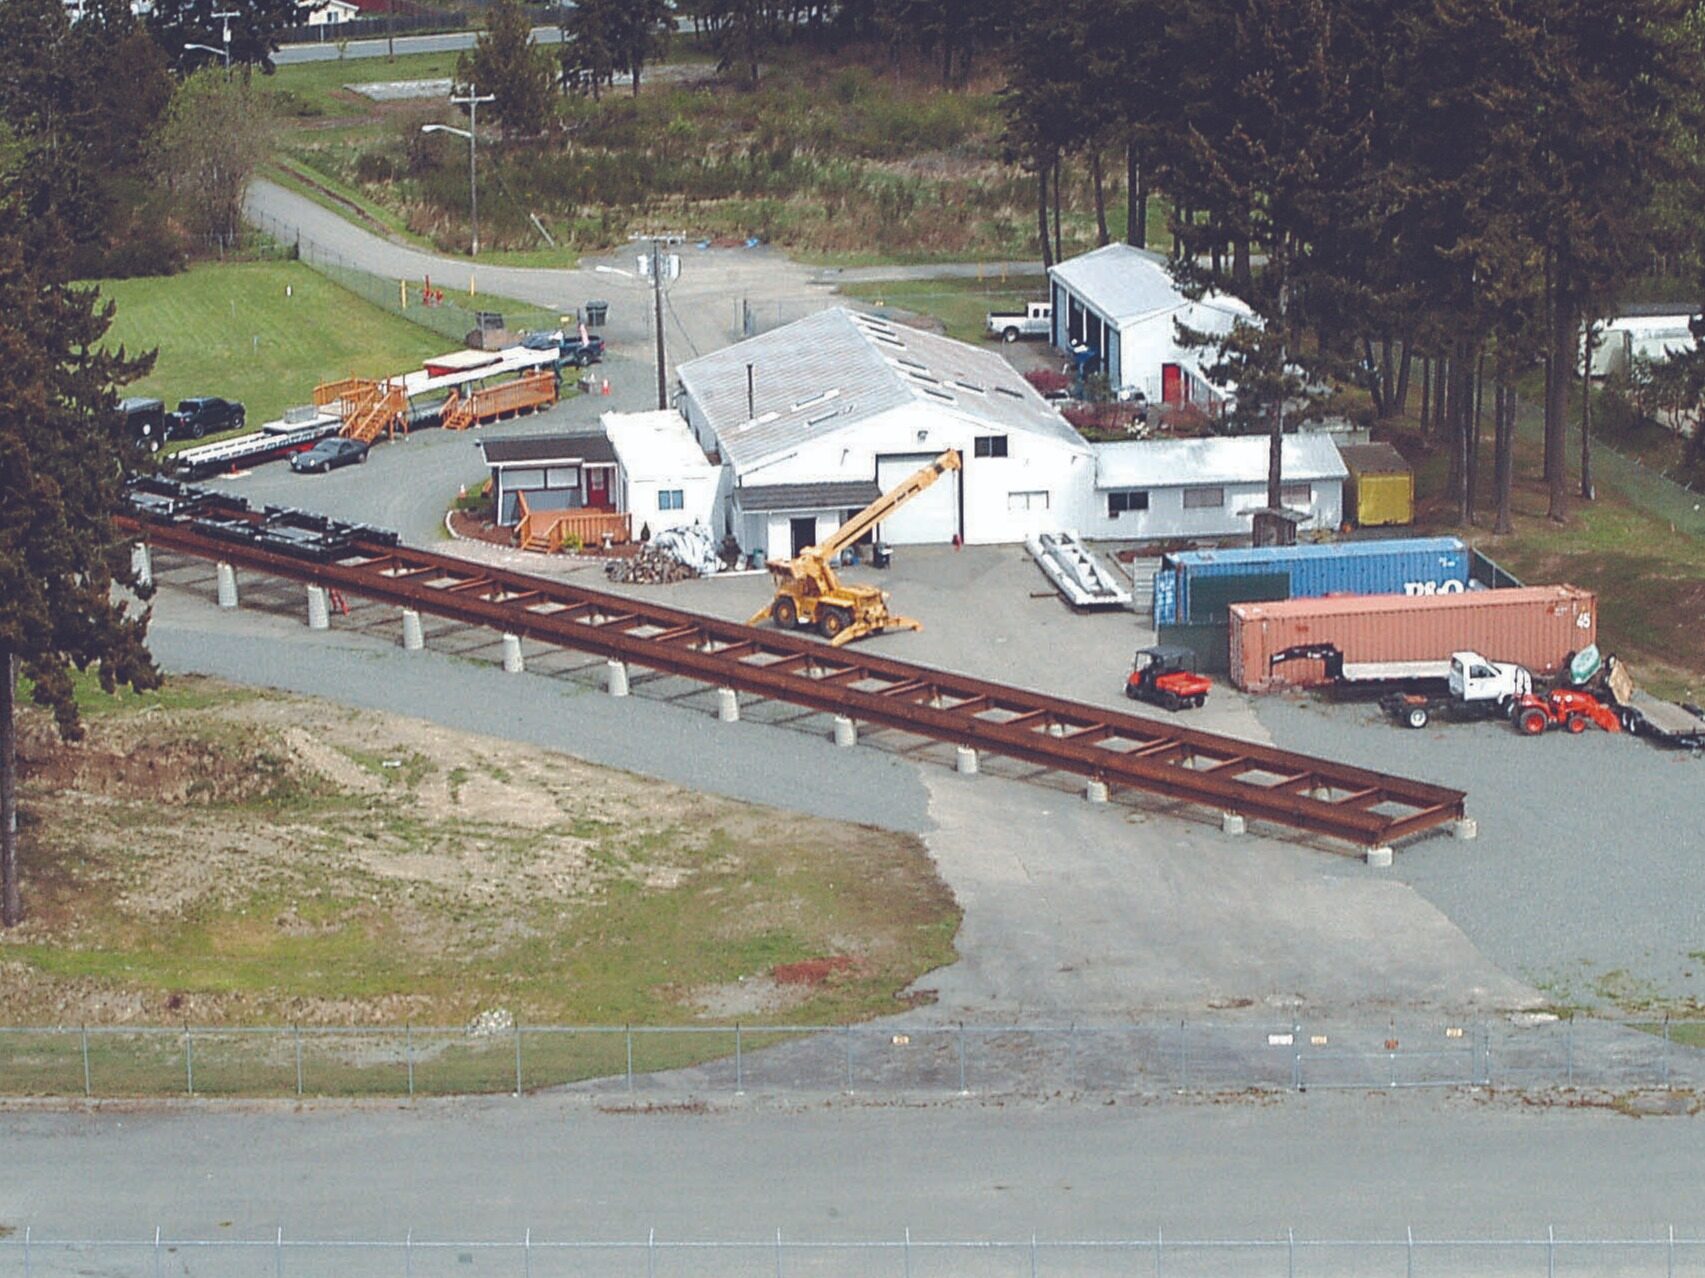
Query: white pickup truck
[(1035, 320)]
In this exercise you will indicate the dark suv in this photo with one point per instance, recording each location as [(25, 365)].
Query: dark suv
[(205, 415)]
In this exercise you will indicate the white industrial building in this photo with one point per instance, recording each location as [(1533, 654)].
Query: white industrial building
[(1200, 488), (810, 422), (662, 475), (1123, 304)]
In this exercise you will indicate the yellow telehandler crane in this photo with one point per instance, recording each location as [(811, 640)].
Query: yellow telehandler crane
[(808, 593)]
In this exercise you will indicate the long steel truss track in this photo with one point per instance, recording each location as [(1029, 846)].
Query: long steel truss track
[(1362, 807)]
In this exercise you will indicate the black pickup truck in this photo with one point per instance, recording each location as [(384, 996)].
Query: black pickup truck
[(204, 415)]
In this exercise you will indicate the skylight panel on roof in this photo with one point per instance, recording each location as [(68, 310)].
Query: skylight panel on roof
[(1007, 390), (939, 394), (970, 386), (823, 417), (913, 363), (887, 339), (923, 377), (811, 401)]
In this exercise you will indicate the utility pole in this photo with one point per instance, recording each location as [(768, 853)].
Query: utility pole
[(657, 316), (472, 102)]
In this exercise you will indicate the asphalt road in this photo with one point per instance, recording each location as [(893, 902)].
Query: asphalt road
[(1341, 1167)]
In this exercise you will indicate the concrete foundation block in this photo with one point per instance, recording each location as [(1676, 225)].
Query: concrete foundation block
[(728, 705), (1232, 823), (513, 663), (616, 678), (1096, 792), (226, 577), (414, 636), (965, 761), (846, 731), (319, 615), (1379, 858), (142, 564), (1466, 828)]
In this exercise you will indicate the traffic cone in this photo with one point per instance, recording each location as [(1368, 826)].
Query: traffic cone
[(606, 389)]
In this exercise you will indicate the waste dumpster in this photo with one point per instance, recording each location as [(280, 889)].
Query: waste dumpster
[(596, 313)]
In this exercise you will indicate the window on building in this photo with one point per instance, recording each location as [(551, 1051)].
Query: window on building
[(1027, 501), (562, 477), (1203, 498), (1296, 495), (989, 446), (671, 499), (1119, 503)]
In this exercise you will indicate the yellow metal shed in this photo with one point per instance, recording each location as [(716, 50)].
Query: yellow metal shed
[(1381, 486)]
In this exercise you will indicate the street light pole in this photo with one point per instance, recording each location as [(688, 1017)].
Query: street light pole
[(472, 102), (225, 16), (657, 309)]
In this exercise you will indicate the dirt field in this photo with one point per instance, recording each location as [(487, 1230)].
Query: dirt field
[(222, 857)]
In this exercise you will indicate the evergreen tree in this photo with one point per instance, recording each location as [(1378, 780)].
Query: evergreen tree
[(504, 62), (63, 451), (588, 50)]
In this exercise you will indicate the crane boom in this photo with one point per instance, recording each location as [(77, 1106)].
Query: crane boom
[(885, 505)]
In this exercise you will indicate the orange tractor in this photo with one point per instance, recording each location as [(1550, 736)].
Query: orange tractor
[(1564, 708)]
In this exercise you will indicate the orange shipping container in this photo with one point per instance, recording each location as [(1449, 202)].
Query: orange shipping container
[(1533, 626)]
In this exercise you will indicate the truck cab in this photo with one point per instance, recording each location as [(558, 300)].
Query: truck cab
[(1477, 680), (1035, 320)]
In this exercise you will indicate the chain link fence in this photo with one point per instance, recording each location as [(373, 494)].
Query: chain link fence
[(436, 306), (1668, 1252), (881, 1060)]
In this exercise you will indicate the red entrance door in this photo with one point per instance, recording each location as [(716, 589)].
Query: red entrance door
[(598, 486), (1171, 384)]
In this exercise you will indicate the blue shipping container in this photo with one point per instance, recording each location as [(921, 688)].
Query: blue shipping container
[(1397, 566)]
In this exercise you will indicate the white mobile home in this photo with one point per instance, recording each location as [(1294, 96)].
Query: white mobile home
[(662, 476), (811, 421), (1199, 488)]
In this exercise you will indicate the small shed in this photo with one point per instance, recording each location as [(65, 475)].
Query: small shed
[(1380, 487), (1120, 307), (556, 472), (663, 478)]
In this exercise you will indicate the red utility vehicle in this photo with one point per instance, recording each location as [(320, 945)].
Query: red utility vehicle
[(1166, 676), (1563, 708)]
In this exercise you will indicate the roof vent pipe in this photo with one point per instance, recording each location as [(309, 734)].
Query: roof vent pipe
[(751, 398)]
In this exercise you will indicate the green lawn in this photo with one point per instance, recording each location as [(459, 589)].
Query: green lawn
[(310, 89), (960, 304), (264, 333)]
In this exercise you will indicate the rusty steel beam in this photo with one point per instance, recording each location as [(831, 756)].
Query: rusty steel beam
[(779, 666)]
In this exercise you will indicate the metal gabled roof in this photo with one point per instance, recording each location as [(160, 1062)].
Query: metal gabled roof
[(830, 371)]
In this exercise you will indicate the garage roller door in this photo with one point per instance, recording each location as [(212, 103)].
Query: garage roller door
[(930, 517)]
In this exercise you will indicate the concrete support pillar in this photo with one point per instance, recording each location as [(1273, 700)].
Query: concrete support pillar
[(227, 578), (1232, 823), (142, 564), (728, 705), (319, 615), (414, 638), (1096, 792), (966, 761), (1379, 858), (846, 731), (1466, 828), (616, 678), (512, 660)]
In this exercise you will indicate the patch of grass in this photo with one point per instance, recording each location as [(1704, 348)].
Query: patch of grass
[(313, 90), (382, 905), (264, 333), (960, 304)]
